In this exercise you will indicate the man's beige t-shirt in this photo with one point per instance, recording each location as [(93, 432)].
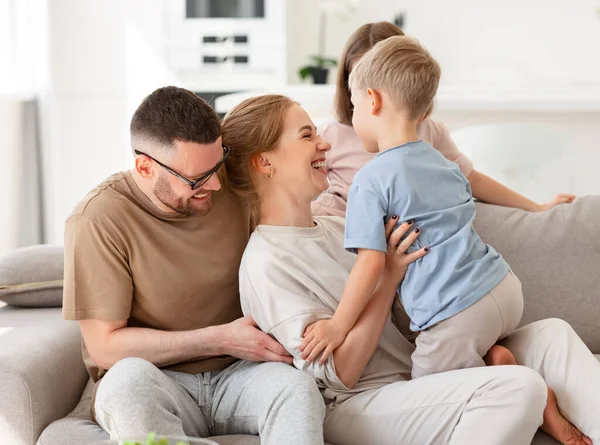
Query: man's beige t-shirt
[(127, 260)]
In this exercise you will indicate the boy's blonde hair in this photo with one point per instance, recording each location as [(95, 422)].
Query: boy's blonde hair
[(402, 68)]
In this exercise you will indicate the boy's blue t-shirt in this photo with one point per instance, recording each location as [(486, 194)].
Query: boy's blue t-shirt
[(416, 182)]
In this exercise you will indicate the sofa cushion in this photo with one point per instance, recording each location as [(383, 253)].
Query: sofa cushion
[(556, 255), (41, 371), (32, 276)]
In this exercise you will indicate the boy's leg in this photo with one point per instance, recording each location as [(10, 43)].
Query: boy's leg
[(489, 405), (462, 340), (135, 398), (274, 400)]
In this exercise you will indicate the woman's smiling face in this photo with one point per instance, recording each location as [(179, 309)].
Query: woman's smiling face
[(298, 161)]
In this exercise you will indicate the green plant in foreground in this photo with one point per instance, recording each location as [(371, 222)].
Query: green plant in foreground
[(151, 440)]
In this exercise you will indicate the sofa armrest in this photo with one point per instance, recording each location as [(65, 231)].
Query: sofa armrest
[(42, 374)]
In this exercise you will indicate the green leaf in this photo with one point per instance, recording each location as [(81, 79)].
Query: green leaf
[(323, 62), (304, 72)]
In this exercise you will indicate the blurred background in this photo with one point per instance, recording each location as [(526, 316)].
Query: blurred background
[(520, 87)]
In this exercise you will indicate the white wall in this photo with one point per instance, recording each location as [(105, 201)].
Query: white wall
[(104, 58), (504, 44)]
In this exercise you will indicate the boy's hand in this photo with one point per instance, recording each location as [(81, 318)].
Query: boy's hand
[(324, 335), (562, 198)]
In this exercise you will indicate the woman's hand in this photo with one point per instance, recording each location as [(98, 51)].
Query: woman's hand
[(397, 260)]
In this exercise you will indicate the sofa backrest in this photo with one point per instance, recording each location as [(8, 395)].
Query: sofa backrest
[(556, 255)]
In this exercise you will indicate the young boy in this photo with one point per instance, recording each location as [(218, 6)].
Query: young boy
[(462, 296)]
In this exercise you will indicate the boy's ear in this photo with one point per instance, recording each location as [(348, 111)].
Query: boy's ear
[(422, 118), (375, 98)]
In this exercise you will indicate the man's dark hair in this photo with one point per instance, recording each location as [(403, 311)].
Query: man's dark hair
[(172, 113)]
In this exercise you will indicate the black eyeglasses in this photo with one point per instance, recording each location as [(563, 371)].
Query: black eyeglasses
[(196, 183)]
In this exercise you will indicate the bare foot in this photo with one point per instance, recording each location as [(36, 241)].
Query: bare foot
[(557, 426), (499, 355)]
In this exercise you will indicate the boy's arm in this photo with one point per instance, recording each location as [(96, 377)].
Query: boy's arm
[(326, 335), (360, 287)]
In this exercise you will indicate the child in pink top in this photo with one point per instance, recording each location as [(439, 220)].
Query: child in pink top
[(347, 154)]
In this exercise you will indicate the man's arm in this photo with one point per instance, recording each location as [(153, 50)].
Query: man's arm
[(110, 341)]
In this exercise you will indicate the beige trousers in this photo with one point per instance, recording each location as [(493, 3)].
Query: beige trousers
[(489, 405), (462, 340)]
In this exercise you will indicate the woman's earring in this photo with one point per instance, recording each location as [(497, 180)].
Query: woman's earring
[(271, 173)]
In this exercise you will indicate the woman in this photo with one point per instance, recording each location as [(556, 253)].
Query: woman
[(347, 154), (294, 271)]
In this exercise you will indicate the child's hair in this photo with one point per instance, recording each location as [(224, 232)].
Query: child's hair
[(361, 41), (249, 129), (402, 68)]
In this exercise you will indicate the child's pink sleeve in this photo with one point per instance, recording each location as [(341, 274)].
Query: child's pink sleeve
[(438, 135)]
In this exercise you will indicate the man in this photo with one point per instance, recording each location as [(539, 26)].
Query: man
[(151, 273)]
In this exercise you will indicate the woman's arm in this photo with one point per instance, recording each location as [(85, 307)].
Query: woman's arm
[(488, 190)]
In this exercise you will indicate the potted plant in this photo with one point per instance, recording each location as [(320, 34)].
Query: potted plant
[(319, 67)]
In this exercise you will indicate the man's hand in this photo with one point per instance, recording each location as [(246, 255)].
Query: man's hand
[(562, 198), (324, 335), (243, 339)]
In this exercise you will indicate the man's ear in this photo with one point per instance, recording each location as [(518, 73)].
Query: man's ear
[(144, 166), (261, 163), (375, 98)]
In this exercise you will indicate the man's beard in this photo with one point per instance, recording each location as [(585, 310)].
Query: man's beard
[(165, 194)]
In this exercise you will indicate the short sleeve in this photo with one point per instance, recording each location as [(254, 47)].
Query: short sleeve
[(365, 220), (437, 134), (97, 281), (285, 311)]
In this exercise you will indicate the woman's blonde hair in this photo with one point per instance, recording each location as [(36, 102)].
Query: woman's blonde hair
[(362, 40), (249, 129), (403, 69)]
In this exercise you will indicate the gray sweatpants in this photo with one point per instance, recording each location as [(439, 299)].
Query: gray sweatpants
[(274, 400)]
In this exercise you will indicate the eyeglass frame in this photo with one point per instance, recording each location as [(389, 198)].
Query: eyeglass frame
[(195, 184)]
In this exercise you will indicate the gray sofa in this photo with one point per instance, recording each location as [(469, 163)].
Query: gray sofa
[(42, 377)]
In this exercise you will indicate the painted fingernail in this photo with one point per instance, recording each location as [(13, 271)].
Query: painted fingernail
[(409, 222), (394, 216), (426, 249), (417, 230)]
